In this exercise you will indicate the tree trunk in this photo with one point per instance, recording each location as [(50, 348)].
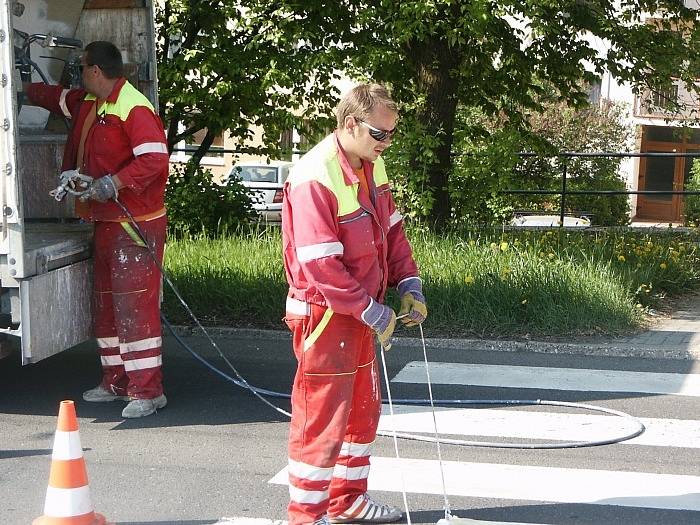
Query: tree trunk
[(434, 60), (203, 148)]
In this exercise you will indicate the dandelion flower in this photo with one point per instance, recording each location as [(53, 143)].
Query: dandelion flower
[(468, 279), (621, 258), (663, 266), (550, 255), (504, 246)]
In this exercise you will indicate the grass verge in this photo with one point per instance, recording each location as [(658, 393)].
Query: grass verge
[(478, 282)]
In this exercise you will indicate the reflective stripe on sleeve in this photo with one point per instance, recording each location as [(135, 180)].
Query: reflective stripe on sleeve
[(319, 251), (150, 147), (395, 218), (306, 471), (62, 103)]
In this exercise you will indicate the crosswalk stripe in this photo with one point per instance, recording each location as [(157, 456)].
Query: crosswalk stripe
[(521, 424), (532, 483), (239, 520), (578, 379)]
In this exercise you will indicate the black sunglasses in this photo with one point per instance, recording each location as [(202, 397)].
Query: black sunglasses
[(378, 134)]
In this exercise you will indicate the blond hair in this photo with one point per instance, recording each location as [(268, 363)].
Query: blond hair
[(361, 100)]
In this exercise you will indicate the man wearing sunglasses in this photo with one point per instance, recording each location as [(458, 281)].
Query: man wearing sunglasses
[(344, 246), (117, 138)]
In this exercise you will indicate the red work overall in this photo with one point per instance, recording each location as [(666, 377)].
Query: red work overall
[(127, 306), (336, 404)]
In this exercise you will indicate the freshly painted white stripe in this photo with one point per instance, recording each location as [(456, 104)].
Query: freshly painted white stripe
[(549, 426), (395, 218), (306, 471), (108, 342), (531, 483), (64, 503), (150, 147), (62, 103), (357, 450), (318, 251), (307, 496), (66, 445), (141, 345), (579, 379), (143, 363), (354, 473), (235, 520), (111, 360)]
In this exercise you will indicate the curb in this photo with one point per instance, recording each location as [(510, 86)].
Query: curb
[(607, 349)]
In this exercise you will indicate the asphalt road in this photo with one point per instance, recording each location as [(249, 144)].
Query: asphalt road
[(214, 450)]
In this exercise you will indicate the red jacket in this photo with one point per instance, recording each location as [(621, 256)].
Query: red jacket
[(126, 139), (341, 245)]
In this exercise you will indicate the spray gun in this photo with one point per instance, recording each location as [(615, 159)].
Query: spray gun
[(73, 182)]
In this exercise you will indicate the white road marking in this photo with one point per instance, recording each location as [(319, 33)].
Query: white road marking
[(236, 520), (531, 483), (528, 424), (577, 379)]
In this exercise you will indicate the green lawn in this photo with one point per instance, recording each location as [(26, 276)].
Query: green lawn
[(479, 282)]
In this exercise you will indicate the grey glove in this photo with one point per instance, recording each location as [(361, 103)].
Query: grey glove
[(101, 190), (382, 320)]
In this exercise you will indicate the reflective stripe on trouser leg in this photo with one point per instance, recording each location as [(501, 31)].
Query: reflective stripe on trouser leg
[(352, 466), (135, 281), (322, 397)]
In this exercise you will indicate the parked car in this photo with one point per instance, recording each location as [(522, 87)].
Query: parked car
[(264, 182)]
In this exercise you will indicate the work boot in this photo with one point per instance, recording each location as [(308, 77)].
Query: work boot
[(366, 510), (144, 407), (100, 394)]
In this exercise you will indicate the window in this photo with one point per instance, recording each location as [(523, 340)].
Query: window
[(193, 141), (665, 98)]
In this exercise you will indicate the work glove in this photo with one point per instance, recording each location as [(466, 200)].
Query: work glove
[(413, 306), (101, 190), (382, 320)]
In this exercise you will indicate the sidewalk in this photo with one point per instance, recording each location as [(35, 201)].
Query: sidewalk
[(675, 336)]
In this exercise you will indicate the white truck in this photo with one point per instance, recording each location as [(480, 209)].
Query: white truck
[(45, 251)]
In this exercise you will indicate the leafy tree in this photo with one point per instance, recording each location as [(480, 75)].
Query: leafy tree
[(691, 208), (440, 55), (225, 66), (197, 205)]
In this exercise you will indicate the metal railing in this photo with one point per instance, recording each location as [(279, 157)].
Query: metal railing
[(564, 192)]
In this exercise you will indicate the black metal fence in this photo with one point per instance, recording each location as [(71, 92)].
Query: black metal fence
[(564, 192)]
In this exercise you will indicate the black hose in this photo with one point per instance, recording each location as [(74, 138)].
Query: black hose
[(259, 392)]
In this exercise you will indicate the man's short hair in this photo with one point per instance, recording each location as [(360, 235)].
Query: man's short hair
[(361, 100), (106, 56)]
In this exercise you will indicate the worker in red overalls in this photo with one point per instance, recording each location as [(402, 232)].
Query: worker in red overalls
[(344, 245), (118, 139)]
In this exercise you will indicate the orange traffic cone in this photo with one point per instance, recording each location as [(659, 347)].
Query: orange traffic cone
[(68, 495)]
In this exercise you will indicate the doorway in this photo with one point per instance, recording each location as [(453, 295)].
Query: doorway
[(665, 173)]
